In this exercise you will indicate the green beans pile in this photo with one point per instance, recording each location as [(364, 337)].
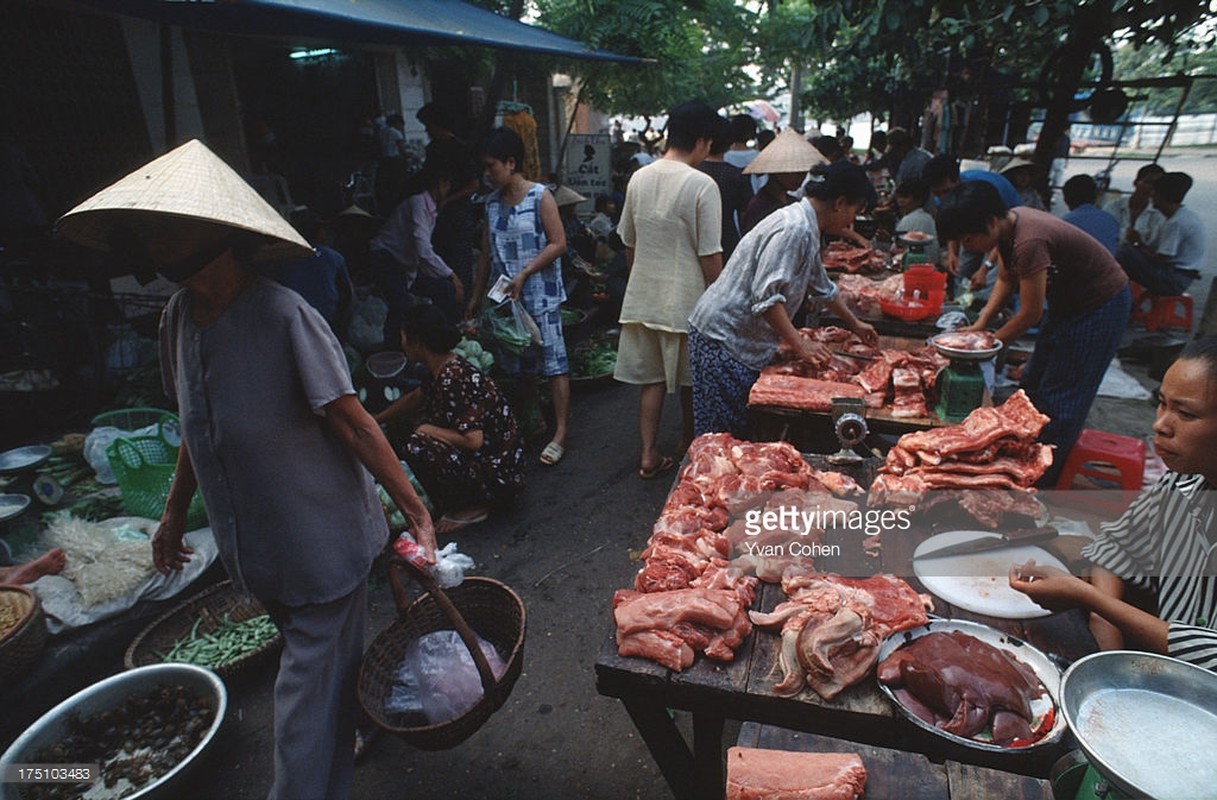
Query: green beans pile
[(227, 643)]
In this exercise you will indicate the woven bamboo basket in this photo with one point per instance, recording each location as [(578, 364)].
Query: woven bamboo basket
[(208, 608), (22, 644), (483, 605)]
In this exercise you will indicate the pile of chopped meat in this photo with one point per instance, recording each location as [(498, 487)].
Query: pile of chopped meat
[(903, 380), (993, 449), (863, 294), (969, 688), (759, 774), (689, 596), (832, 627), (852, 257)]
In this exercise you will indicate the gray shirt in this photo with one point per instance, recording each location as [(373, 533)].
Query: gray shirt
[(294, 513), (778, 261)]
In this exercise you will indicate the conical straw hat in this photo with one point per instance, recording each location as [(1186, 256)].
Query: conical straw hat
[(789, 152), (187, 184), (566, 196)]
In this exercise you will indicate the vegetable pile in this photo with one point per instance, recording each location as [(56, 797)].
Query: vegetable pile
[(227, 643), (474, 353), (594, 359)]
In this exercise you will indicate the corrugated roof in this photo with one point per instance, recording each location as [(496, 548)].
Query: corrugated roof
[(390, 22)]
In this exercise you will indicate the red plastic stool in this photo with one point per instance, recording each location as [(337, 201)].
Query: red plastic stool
[(1105, 457), (1142, 304), (1170, 312)]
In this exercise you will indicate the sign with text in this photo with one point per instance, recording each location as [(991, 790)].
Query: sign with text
[(587, 168)]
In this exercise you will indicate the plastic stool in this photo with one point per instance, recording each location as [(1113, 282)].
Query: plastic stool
[(1123, 455), (1142, 304), (1170, 312)]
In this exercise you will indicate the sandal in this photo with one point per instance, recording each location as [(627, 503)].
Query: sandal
[(365, 737), (666, 464), (552, 454), (449, 524)]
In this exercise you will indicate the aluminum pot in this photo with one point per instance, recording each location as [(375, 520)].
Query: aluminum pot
[(108, 694)]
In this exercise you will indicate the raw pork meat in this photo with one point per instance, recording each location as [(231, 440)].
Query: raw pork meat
[(832, 627), (758, 774), (808, 394), (967, 340)]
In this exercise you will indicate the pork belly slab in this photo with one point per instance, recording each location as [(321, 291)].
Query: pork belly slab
[(755, 774)]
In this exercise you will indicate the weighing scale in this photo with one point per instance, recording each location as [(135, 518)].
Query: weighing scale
[(961, 384), (850, 427), (916, 249), (1144, 726)]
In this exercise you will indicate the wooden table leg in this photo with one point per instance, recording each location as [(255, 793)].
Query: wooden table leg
[(708, 766), (667, 746)]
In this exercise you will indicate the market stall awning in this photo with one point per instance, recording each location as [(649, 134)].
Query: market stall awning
[(388, 22)]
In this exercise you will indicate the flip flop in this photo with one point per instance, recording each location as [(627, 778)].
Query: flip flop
[(552, 454), (449, 524), (666, 464), (366, 735)]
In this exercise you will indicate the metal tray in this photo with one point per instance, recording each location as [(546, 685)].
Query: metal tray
[(23, 458), (1147, 722), (1039, 663), (963, 355), (11, 505)]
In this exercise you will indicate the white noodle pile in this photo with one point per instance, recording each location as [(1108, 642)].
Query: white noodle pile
[(101, 564)]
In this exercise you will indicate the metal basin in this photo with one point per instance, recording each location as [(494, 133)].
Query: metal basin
[(1146, 722), (110, 693)]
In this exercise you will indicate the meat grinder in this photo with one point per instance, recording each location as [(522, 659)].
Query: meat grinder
[(850, 427)]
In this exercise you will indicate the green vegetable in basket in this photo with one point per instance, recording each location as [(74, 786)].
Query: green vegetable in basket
[(571, 316), (227, 643)]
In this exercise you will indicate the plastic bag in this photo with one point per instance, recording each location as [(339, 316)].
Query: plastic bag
[(366, 328), (952, 320), (511, 326), (99, 439), (437, 677), (450, 566)]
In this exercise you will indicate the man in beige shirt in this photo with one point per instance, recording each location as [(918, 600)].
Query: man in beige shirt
[(671, 225)]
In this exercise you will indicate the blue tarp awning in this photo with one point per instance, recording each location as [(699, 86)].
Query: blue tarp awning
[(388, 22)]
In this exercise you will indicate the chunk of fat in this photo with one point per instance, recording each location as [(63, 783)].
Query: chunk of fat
[(756, 773)]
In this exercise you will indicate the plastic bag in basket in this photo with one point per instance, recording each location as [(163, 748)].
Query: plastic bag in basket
[(438, 678)]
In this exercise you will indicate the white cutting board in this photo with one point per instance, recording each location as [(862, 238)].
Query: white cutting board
[(979, 582)]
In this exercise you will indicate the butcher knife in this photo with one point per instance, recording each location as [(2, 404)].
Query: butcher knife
[(1015, 538)]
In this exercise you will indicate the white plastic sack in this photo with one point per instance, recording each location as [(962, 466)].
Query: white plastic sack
[(438, 678)]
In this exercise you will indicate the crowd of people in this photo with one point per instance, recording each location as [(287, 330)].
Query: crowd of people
[(713, 248)]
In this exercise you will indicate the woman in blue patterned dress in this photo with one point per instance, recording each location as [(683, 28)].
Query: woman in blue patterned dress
[(523, 240)]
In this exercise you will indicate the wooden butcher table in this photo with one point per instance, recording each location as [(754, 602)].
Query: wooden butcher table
[(812, 431), (742, 690)]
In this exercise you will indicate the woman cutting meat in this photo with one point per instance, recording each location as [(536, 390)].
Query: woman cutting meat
[(736, 326), (1065, 282), (469, 454), (1163, 544)]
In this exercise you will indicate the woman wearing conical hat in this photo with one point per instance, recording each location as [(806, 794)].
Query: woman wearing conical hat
[(272, 434), (786, 162)]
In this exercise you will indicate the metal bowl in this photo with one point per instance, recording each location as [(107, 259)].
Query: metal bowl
[(11, 505), (23, 458), (1039, 663), (110, 693), (1146, 722)]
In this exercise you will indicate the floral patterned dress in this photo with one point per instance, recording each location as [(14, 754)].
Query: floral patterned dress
[(464, 399)]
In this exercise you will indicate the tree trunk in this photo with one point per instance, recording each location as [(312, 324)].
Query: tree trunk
[(796, 88), (1084, 39), (504, 67)]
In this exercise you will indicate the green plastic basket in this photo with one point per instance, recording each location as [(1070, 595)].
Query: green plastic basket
[(144, 467), (133, 419)]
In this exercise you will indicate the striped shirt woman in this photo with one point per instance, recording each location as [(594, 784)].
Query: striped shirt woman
[(1166, 544)]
